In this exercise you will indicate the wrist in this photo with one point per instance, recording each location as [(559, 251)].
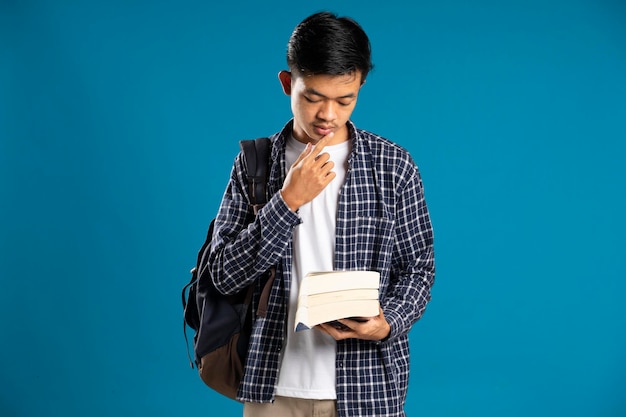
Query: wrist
[(289, 201)]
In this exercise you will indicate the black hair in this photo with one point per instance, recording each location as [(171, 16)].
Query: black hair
[(324, 43)]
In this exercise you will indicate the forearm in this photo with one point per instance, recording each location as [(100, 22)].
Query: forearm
[(242, 252), (406, 301)]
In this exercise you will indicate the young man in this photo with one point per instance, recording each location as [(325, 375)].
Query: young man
[(340, 199)]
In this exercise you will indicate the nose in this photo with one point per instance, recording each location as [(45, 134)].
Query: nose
[(327, 111)]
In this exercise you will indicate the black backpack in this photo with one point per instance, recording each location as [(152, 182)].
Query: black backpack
[(223, 324)]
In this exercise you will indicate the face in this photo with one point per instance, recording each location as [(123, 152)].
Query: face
[(321, 104)]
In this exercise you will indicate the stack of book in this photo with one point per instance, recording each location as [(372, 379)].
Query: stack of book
[(328, 296)]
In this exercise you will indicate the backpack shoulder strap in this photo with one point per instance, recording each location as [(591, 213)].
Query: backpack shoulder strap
[(256, 154)]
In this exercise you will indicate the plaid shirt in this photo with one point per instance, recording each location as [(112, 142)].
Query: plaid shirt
[(382, 225)]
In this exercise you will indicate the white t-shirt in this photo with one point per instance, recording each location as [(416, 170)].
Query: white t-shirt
[(308, 358)]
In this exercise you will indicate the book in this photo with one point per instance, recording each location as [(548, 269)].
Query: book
[(337, 296), (328, 296)]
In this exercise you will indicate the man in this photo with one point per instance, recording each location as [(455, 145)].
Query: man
[(340, 199)]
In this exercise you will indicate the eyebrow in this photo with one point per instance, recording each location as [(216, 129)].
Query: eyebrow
[(317, 93)]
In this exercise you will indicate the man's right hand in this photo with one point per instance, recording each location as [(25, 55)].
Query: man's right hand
[(308, 175)]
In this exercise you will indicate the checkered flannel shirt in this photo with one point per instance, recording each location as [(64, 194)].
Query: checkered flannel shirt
[(382, 225)]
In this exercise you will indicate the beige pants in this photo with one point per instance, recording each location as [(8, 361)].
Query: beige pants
[(291, 407)]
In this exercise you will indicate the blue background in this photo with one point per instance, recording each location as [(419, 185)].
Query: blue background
[(119, 121)]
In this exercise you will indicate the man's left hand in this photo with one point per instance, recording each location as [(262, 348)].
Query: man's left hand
[(371, 328)]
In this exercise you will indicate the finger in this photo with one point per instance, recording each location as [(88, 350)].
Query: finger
[(327, 167), (328, 178), (324, 156), (331, 331), (314, 151), (346, 323), (322, 143)]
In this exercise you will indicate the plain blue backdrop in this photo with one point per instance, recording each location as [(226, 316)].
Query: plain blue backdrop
[(119, 121)]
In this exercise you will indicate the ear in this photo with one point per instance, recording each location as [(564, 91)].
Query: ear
[(285, 81)]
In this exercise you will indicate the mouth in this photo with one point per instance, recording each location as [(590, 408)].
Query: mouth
[(323, 130)]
